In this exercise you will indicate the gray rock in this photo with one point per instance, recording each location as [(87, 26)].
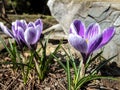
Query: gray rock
[(110, 50), (89, 20), (105, 13), (66, 11), (113, 16), (117, 22), (104, 24), (118, 31), (55, 32), (117, 40), (97, 9)]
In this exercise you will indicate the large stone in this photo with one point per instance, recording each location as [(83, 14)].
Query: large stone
[(66, 10), (105, 13)]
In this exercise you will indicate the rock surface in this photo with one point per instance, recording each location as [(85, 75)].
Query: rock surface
[(105, 13)]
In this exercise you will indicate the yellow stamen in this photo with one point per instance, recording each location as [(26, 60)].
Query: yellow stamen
[(87, 40)]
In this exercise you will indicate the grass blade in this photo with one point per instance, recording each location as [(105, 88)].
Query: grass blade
[(68, 75)]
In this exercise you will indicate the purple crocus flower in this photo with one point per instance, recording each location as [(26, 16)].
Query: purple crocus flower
[(23, 32), (88, 40)]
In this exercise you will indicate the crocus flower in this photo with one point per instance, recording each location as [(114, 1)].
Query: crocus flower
[(88, 40), (22, 32)]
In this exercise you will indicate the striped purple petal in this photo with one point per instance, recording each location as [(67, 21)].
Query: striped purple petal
[(39, 26), (23, 24), (78, 43), (6, 30), (30, 36), (38, 22), (33, 32), (107, 36), (19, 23), (78, 27), (93, 31), (20, 34), (93, 45), (31, 24)]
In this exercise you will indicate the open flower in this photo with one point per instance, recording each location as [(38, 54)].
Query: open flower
[(90, 39), (24, 33)]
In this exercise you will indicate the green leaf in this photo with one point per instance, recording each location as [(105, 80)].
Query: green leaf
[(52, 55), (77, 77), (72, 61), (68, 75), (64, 67), (90, 59), (90, 78), (4, 44), (104, 62)]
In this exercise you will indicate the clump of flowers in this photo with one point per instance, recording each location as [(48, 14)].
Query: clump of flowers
[(28, 34), (86, 41), (22, 32)]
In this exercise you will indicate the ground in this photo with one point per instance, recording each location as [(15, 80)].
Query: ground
[(56, 78)]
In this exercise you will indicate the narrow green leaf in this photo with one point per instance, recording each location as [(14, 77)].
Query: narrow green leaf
[(104, 62), (77, 77), (4, 44), (90, 59), (90, 78), (64, 67), (68, 75), (73, 62)]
